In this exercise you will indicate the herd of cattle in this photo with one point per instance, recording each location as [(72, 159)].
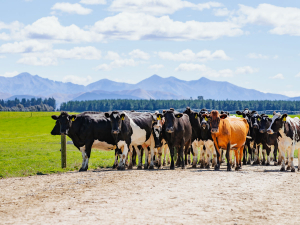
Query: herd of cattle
[(209, 134)]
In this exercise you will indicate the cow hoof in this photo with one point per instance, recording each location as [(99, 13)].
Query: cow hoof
[(151, 167), (282, 169), (201, 166), (298, 168), (121, 167), (228, 168), (293, 170), (217, 167), (288, 168), (194, 166), (268, 164), (82, 170), (172, 167), (146, 167), (263, 163), (115, 166), (275, 163), (237, 168), (139, 167), (130, 167), (183, 167), (164, 163), (207, 166), (232, 165)]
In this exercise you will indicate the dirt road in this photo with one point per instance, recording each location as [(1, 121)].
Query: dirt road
[(254, 195)]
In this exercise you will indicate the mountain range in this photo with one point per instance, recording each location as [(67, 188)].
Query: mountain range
[(154, 87)]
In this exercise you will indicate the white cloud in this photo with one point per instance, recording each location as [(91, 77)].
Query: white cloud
[(10, 74), (284, 20), (291, 93), (137, 53), (221, 12), (2, 56), (278, 76), (93, 2), (138, 26), (38, 61), (158, 7), (298, 75), (49, 58), (246, 70), (156, 66), (25, 46), (189, 55), (117, 64), (206, 71), (71, 8), (112, 55), (77, 80), (50, 29), (275, 57), (257, 56)]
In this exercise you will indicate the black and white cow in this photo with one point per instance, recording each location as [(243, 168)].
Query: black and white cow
[(132, 129), (289, 139), (177, 132), (272, 139), (246, 113), (87, 130), (196, 133)]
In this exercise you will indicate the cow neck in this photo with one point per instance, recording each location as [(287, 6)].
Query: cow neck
[(73, 135)]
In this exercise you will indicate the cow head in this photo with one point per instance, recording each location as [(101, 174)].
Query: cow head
[(215, 118), (204, 119), (277, 123), (170, 119), (116, 119), (56, 129), (193, 116), (255, 119), (65, 122), (158, 122), (246, 113), (264, 123)]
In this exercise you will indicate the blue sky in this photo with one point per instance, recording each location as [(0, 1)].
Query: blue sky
[(252, 44)]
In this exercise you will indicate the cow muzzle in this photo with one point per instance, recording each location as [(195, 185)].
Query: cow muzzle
[(270, 131), (214, 130), (170, 130), (115, 131), (262, 131), (255, 126)]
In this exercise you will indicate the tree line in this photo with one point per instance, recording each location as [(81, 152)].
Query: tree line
[(28, 105), (226, 105)]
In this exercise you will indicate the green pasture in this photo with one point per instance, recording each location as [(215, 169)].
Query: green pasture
[(27, 147)]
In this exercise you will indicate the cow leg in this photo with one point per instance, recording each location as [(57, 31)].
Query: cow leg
[(130, 157), (282, 156), (232, 159), (275, 152), (116, 159), (223, 156), (236, 155), (146, 165), (159, 153), (298, 159), (123, 156), (287, 162), (134, 156), (213, 150), (200, 153), (208, 155), (85, 159), (241, 156), (172, 167), (202, 156), (292, 157), (181, 154), (140, 159), (263, 156), (195, 153), (256, 156), (165, 154), (245, 155), (228, 157)]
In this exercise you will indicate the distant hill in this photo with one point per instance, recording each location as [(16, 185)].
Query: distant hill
[(154, 87)]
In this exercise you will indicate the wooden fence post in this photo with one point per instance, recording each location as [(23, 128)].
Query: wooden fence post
[(63, 151)]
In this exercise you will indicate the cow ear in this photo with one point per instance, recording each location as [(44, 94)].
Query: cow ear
[(172, 109), (106, 115), (238, 112), (55, 117), (164, 111), (178, 115), (72, 117), (122, 116), (159, 116), (223, 116), (284, 117), (274, 113)]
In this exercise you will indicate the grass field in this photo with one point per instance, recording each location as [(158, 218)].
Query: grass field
[(28, 148)]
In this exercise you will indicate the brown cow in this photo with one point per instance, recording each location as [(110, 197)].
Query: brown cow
[(228, 133)]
